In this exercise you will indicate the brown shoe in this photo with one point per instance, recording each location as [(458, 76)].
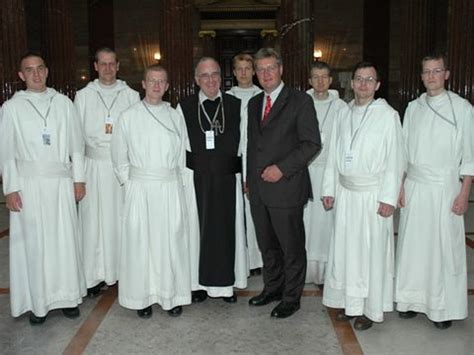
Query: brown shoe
[(342, 316), (362, 323)]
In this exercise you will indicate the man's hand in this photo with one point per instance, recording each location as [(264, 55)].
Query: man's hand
[(460, 205), (385, 210), (328, 202), (79, 190), (13, 202), (272, 173), (401, 198)]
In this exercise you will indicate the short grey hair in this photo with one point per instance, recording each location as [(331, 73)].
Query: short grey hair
[(268, 53), (205, 59)]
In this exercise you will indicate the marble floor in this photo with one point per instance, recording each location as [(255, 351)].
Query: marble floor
[(215, 327)]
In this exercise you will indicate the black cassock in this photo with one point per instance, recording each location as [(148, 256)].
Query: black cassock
[(215, 184)]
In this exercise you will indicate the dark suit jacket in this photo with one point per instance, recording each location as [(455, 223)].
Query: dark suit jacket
[(289, 138)]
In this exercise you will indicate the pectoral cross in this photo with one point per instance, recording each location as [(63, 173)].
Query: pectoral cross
[(216, 127)]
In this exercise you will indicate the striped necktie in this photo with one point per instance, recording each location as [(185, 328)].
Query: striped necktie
[(268, 107)]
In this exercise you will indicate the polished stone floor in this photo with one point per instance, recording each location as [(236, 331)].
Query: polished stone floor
[(215, 327)]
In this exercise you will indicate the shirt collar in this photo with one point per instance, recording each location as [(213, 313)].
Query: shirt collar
[(274, 94), (203, 97)]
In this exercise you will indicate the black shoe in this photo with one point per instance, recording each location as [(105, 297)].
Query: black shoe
[(342, 316), (265, 298), (256, 271), (231, 299), (407, 314), (176, 311), (443, 325), (362, 323), (35, 320), (94, 291), (145, 312), (71, 312), (285, 309), (198, 296)]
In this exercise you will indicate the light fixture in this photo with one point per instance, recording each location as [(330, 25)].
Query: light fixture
[(317, 54), (157, 56)]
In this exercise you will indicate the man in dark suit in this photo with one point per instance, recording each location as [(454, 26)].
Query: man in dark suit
[(283, 136)]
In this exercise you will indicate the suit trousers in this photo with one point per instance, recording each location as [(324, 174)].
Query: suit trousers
[(281, 239)]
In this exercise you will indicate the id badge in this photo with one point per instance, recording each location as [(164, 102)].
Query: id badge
[(210, 140), (348, 159), (109, 124), (46, 137)]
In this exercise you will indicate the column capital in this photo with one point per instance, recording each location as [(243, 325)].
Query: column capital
[(265, 33), (204, 33)]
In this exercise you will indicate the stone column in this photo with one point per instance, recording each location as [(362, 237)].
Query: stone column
[(57, 43), (296, 38), (418, 39), (208, 43), (12, 45), (269, 38), (177, 47), (461, 47)]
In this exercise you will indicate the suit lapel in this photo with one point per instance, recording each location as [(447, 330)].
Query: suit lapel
[(258, 108)]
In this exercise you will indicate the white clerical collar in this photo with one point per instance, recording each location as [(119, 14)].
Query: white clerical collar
[(438, 97), (274, 94), (107, 87), (203, 97)]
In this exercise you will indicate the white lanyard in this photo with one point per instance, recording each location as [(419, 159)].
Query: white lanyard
[(44, 118), (158, 121), (455, 123), (362, 121), (214, 123), (325, 117), (113, 102)]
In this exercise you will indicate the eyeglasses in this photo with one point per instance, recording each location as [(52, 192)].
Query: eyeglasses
[(436, 71), (270, 69), (154, 82), (207, 76), (367, 80)]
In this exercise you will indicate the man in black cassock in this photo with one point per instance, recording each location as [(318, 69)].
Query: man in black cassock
[(217, 245)]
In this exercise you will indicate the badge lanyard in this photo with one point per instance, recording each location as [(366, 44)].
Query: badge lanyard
[(108, 120), (455, 123), (362, 121), (325, 117), (46, 136), (215, 126), (159, 122)]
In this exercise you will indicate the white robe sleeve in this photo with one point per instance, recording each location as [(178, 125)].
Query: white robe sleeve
[(10, 176), (119, 152), (467, 160), (394, 162), (243, 140), (1, 130), (331, 176), (76, 144)]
